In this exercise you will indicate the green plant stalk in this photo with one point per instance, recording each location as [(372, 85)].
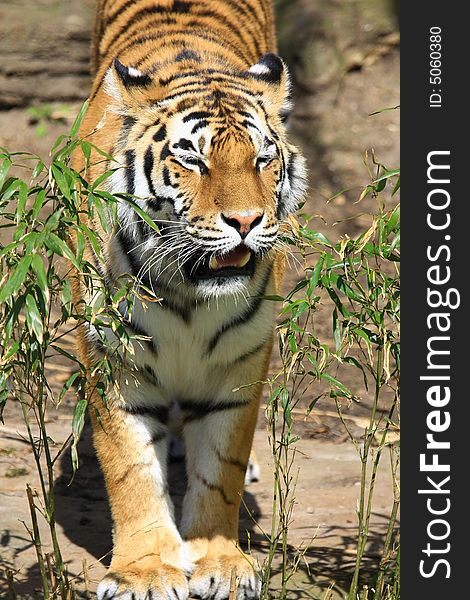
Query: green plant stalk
[(46, 489), (50, 505), (385, 554), (389, 536), (284, 492), (272, 537), (37, 544), (364, 523)]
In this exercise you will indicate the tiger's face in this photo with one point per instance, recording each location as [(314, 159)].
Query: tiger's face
[(214, 170)]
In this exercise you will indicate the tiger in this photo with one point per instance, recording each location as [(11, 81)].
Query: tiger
[(190, 98)]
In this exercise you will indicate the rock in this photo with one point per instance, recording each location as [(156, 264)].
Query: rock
[(45, 51)]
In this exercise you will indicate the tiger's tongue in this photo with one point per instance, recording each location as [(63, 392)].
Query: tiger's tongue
[(238, 257)]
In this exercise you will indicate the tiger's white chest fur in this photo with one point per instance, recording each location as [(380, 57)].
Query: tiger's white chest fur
[(194, 357), (198, 352)]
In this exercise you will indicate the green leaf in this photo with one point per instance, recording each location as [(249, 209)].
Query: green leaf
[(4, 168), (143, 215), (93, 239), (339, 305), (101, 209), (272, 297), (314, 236), (38, 203), (86, 149), (22, 198), (64, 352), (397, 187), (66, 298), (16, 279), (336, 331), (353, 361), (38, 169), (79, 119), (336, 383), (395, 243), (387, 175), (39, 270), (57, 143), (61, 181), (80, 239), (13, 317), (68, 384), (78, 422), (58, 246), (366, 191), (315, 278), (380, 185), (33, 318), (393, 219), (102, 178), (10, 352), (11, 189)]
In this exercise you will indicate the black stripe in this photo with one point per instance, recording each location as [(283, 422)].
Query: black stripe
[(246, 315), (199, 114), (229, 460), (290, 166), (160, 135), (183, 312), (247, 8), (127, 123), (249, 353), (148, 374), (199, 125), (165, 153), (157, 437), (166, 178), (206, 76), (127, 248), (137, 17), (155, 203), (195, 410), (148, 168), (119, 11), (130, 171), (188, 35), (187, 55), (214, 487), (185, 144), (160, 413), (234, 27), (136, 329), (280, 203)]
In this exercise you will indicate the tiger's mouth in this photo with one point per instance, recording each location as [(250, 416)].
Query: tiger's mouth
[(237, 263)]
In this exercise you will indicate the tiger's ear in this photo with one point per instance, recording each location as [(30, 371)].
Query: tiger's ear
[(126, 85), (272, 71)]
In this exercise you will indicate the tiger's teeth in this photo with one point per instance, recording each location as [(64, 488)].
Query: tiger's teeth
[(213, 264), (245, 260)]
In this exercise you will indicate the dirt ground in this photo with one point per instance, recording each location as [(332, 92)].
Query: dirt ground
[(344, 58)]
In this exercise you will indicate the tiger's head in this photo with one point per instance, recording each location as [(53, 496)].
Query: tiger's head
[(206, 155)]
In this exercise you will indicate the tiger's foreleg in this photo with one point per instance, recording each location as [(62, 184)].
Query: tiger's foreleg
[(218, 441), (149, 558)]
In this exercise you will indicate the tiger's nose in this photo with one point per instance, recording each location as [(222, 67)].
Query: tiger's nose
[(244, 221)]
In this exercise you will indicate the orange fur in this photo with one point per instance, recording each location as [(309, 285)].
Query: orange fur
[(183, 64)]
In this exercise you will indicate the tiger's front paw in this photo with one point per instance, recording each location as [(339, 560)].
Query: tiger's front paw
[(211, 578), (161, 582)]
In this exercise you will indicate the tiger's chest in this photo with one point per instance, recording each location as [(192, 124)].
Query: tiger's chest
[(205, 350)]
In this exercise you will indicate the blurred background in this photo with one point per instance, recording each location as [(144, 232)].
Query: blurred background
[(344, 60)]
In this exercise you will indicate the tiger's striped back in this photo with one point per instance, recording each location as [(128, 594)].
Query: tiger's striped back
[(146, 33)]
